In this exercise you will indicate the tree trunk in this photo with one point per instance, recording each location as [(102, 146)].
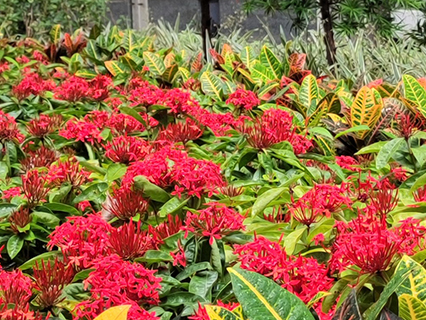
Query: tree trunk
[(205, 23), (327, 23)]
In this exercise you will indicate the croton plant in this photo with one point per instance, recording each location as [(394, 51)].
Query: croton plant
[(146, 183)]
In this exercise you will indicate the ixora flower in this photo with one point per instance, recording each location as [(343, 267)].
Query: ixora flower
[(9, 130), (44, 125), (319, 202), (243, 99), (181, 131), (367, 243), (125, 203), (32, 84), (215, 221), (116, 282), (274, 126), (82, 240), (126, 149), (34, 187), (304, 277)]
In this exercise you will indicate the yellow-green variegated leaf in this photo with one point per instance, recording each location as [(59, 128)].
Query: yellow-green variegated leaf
[(130, 42), (263, 299), (92, 50), (55, 34), (182, 73), (269, 60), (415, 284), (411, 308), (170, 72), (212, 85), (114, 67), (365, 110), (326, 145), (154, 63), (114, 313), (248, 57), (309, 94), (261, 74), (415, 93), (220, 313)]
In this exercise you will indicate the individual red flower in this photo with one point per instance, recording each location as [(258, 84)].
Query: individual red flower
[(129, 241), (196, 177), (179, 101), (409, 123), (69, 171), (319, 202), (82, 240), (32, 84), (4, 66), (116, 282), (19, 219), (347, 163), (274, 126), (304, 277), (126, 149), (120, 123), (179, 258), (420, 194), (9, 129), (243, 99), (399, 173), (11, 193), (44, 125), (41, 157), (99, 87), (15, 288), (17, 313), (384, 200), (34, 187), (215, 221), (125, 203), (73, 89), (50, 279), (81, 130), (166, 229), (181, 131), (144, 94)]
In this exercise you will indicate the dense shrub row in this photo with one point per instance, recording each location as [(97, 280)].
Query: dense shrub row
[(141, 176)]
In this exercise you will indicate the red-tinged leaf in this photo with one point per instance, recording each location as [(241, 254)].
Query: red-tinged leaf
[(349, 310)]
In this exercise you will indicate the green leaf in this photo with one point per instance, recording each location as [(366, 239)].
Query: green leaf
[(150, 190), (387, 151), (291, 240), (220, 313), (201, 284), (44, 256), (362, 127), (155, 64), (155, 256), (261, 298), (269, 60), (420, 154), (172, 206), (46, 219), (415, 92), (411, 308), (14, 245), (402, 272), (212, 85), (92, 193), (261, 74), (265, 199), (321, 131), (372, 148), (55, 34), (192, 269), (420, 182), (115, 171), (4, 170), (6, 209), (309, 94), (415, 284), (115, 67), (61, 207)]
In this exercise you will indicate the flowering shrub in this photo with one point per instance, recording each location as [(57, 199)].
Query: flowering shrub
[(140, 177)]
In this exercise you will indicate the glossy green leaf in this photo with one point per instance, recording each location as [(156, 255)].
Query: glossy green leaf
[(387, 151), (150, 190), (14, 245), (261, 298), (265, 199)]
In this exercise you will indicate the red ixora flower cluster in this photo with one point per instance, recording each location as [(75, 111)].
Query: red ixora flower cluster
[(367, 243), (243, 99), (90, 128), (9, 130), (274, 126), (215, 221), (319, 202), (171, 167), (15, 295), (75, 89), (32, 84), (116, 282), (304, 277), (126, 149), (44, 125)]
